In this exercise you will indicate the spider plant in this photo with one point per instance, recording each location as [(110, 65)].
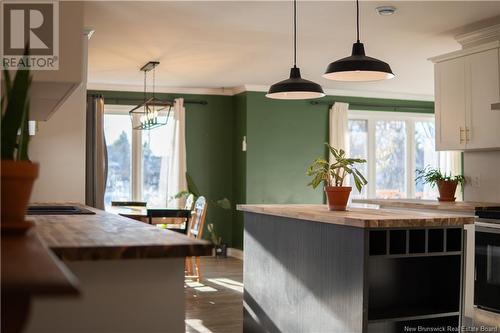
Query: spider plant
[(431, 176)]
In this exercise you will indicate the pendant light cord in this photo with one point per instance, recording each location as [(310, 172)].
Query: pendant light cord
[(144, 86), (294, 33), (357, 20)]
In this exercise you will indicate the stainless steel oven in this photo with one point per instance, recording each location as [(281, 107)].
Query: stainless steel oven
[(487, 261)]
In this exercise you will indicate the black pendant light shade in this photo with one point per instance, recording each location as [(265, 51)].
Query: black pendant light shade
[(295, 88), (358, 67)]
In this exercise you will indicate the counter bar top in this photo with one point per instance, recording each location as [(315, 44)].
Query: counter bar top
[(28, 267), (360, 217), (109, 236), (458, 206)]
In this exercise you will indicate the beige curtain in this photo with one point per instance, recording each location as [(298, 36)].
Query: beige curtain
[(338, 126), (176, 169), (95, 153)]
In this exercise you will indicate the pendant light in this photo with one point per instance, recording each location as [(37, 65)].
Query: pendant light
[(295, 87), (152, 112), (358, 67)]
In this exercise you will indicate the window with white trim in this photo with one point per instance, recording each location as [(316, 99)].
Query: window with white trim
[(137, 159), (394, 145)]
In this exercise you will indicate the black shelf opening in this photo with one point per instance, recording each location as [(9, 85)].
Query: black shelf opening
[(439, 324), (413, 286)]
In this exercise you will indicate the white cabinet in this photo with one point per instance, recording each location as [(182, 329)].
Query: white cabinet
[(483, 123), (466, 86), (51, 88), (450, 106)]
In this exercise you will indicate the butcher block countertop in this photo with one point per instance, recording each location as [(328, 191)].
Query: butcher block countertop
[(28, 267), (458, 206), (360, 217), (109, 236)]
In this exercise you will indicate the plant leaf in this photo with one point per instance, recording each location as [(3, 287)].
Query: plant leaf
[(192, 188), (14, 113)]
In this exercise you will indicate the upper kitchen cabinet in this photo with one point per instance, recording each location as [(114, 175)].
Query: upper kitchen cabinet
[(51, 88), (466, 88)]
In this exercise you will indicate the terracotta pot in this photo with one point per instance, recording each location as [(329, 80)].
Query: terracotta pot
[(17, 183), (447, 190), (337, 197)]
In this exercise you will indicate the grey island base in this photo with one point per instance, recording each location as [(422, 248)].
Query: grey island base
[(365, 270)]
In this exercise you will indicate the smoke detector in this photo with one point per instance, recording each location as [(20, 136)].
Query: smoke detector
[(386, 10)]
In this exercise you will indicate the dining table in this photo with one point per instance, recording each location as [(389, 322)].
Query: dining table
[(169, 217)]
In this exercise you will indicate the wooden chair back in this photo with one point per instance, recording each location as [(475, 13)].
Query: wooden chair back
[(198, 218), (189, 202)]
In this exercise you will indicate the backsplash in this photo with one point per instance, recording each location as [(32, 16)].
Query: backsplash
[(482, 170)]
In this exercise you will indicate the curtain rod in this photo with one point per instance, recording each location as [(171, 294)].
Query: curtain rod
[(384, 107), (137, 101)]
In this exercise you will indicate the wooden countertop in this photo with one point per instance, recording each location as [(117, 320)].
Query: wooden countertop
[(360, 217), (28, 267), (458, 206), (109, 236)]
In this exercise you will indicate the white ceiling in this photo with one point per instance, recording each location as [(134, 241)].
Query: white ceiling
[(228, 44)]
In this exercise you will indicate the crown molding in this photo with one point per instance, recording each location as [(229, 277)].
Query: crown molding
[(479, 36), (257, 88), (347, 92), (161, 89), (465, 51)]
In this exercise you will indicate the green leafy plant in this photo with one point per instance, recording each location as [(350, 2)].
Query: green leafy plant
[(223, 203), (15, 114), (431, 176), (214, 237), (334, 174)]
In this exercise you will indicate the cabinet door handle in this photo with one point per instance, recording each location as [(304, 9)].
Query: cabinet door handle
[(461, 135), (467, 135)]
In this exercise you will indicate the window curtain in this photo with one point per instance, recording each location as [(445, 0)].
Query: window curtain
[(450, 162), (173, 173), (338, 126), (95, 153)]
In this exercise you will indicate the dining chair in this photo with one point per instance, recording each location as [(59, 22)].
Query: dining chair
[(173, 218), (195, 230)]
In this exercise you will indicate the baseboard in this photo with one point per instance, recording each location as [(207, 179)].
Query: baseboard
[(235, 253)]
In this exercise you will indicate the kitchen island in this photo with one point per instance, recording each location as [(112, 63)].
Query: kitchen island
[(131, 274), (307, 269)]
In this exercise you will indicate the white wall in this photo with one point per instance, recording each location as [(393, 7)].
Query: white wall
[(59, 148), (486, 165)]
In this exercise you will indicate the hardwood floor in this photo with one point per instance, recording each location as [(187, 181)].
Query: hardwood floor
[(215, 303)]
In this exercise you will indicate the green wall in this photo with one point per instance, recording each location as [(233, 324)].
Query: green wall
[(283, 137), (209, 136)]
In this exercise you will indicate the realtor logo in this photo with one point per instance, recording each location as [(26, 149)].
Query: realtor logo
[(35, 24)]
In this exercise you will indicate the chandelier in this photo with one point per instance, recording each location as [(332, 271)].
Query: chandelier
[(153, 112)]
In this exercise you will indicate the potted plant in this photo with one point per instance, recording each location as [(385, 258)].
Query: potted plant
[(18, 173), (333, 176), (220, 248), (447, 184)]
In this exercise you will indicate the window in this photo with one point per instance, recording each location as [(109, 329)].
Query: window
[(118, 133), (358, 147), (394, 144), (137, 160)]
